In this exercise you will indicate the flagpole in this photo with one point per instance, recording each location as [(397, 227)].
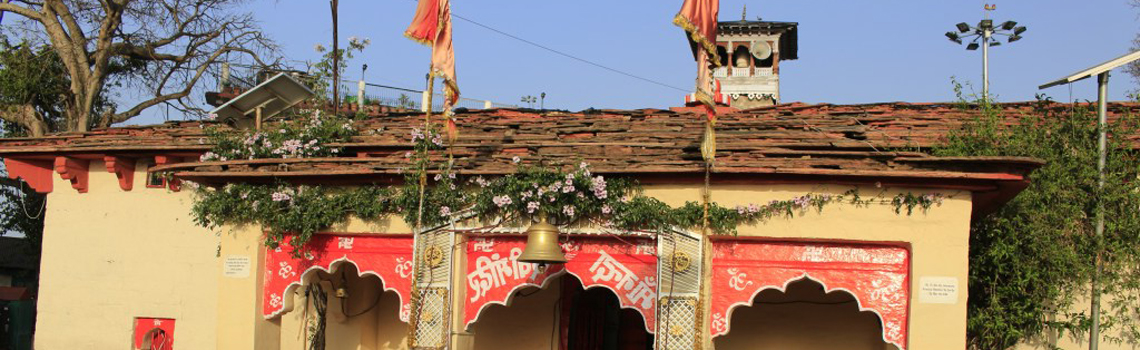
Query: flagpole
[(423, 163)]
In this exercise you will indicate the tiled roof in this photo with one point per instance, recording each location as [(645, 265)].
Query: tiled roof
[(827, 140)]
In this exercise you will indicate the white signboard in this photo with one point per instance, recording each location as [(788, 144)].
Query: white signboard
[(236, 266), (938, 290)]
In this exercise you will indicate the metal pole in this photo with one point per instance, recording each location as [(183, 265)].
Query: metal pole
[(336, 60), (986, 64), (1102, 148)]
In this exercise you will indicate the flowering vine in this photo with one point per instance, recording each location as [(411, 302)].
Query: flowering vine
[(298, 138), (564, 195)]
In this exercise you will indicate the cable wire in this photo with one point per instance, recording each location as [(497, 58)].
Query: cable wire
[(576, 58)]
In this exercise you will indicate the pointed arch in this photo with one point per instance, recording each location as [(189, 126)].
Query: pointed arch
[(876, 276), (388, 257), (629, 270)]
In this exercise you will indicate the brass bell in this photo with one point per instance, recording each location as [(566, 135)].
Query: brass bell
[(542, 245)]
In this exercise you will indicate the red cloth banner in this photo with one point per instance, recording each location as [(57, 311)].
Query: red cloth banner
[(432, 26), (877, 276), (628, 267), (388, 257)]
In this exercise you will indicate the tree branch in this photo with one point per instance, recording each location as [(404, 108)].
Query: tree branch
[(22, 11)]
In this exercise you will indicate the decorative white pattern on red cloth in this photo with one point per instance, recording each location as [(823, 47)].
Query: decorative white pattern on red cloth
[(877, 276), (388, 257), (627, 267)]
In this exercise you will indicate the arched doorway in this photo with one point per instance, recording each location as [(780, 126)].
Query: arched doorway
[(359, 312), (594, 320), (804, 316), (562, 315)]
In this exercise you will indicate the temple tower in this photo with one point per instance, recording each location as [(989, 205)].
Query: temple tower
[(750, 53)]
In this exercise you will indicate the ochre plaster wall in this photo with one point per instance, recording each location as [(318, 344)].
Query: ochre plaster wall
[(938, 239), (110, 256), (804, 318), (369, 327), (528, 322)]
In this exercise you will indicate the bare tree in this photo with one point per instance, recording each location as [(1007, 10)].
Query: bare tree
[(164, 47)]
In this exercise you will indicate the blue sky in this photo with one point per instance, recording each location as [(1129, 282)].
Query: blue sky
[(850, 51)]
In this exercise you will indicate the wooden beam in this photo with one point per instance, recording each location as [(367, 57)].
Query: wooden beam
[(74, 170), (124, 170), (37, 173)]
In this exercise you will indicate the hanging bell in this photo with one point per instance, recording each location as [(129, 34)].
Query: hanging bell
[(542, 245)]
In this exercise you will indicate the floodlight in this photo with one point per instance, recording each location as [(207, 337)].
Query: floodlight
[(963, 27), (953, 37), (972, 46), (986, 24), (995, 43), (1008, 25), (1019, 30), (1014, 37)]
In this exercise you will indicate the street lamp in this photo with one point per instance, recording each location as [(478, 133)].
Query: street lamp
[(982, 35)]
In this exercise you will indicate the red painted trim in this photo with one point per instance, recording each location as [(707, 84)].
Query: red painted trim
[(37, 173), (174, 184), (124, 170), (74, 170)]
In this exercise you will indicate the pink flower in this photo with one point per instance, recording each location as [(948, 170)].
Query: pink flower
[(568, 210), (502, 200), (482, 182), (598, 185), (444, 211), (753, 208), (531, 207), (281, 196), (516, 159), (606, 209)]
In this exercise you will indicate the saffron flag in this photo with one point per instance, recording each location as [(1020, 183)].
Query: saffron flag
[(432, 26), (699, 20)]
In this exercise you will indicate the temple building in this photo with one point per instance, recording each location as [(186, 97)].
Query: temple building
[(124, 259)]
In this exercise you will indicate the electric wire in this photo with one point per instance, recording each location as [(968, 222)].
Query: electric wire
[(320, 306), (567, 55), (24, 203)]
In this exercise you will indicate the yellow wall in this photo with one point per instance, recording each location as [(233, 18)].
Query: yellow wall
[(110, 256), (939, 241), (240, 324), (370, 327), (527, 323), (804, 318)]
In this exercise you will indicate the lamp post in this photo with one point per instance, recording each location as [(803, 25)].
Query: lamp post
[(983, 36), (1101, 72)]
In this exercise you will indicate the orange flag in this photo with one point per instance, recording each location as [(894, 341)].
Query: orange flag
[(432, 26), (699, 20)]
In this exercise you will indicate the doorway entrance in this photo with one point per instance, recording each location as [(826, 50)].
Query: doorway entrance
[(804, 317), (594, 320)]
